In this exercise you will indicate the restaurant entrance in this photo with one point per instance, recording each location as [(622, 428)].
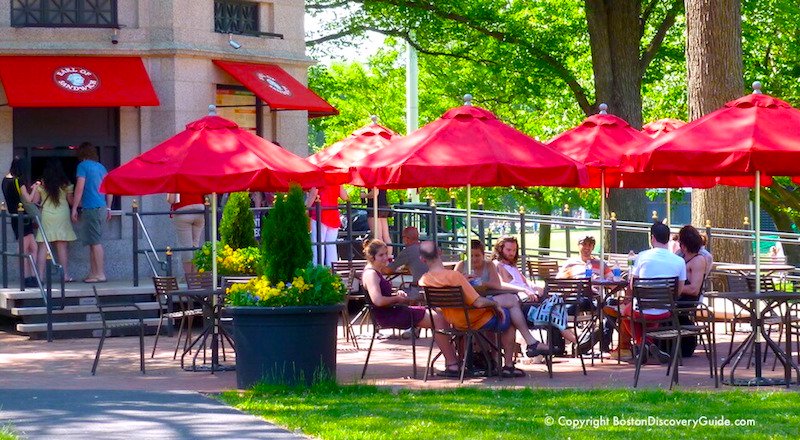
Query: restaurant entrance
[(41, 134)]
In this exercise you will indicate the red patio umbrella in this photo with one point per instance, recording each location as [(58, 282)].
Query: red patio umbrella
[(362, 142), (467, 146), (662, 126), (213, 155), (751, 135)]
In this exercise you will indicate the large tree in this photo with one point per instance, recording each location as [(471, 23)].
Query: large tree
[(714, 72), (533, 45)]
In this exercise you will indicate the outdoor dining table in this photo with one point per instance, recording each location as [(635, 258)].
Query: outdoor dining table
[(211, 303), (767, 269), (749, 302)]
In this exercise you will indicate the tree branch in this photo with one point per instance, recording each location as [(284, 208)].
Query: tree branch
[(333, 5), (648, 10), (554, 64), (336, 36), (658, 38)]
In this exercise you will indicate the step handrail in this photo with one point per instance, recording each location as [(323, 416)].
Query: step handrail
[(152, 249)]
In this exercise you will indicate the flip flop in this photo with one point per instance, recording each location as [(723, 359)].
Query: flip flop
[(94, 280), (69, 280), (511, 371), (447, 372)]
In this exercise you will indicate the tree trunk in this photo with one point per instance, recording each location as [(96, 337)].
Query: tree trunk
[(714, 72), (618, 80)]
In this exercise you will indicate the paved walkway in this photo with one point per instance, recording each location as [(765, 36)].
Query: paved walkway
[(47, 389), (114, 414)]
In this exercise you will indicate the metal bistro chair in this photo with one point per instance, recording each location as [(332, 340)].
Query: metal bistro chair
[(106, 306), (776, 317), (347, 273), (164, 286), (657, 293), (542, 269), (577, 294), (453, 297), (377, 327)]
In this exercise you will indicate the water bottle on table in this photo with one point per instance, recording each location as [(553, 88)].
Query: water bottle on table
[(588, 272), (616, 272)]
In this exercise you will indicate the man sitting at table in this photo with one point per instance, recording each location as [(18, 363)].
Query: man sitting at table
[(486, 314), (576, 268), (505, 256), (657, 262), (409, 258)]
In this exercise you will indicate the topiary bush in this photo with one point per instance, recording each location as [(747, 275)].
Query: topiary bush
[(237, 228), (285, 240)]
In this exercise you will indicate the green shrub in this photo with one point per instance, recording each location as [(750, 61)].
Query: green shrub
[(242, 261), (237, 228), (285, 240), (312, 286)]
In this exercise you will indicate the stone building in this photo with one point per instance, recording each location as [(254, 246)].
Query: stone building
[(128, 74)]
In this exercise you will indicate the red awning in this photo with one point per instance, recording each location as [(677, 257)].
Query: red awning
[(277, 88), (50, 81)]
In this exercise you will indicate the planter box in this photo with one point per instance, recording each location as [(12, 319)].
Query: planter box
[(284, 345)]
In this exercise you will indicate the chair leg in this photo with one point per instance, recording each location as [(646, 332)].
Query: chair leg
[(413, 349), (158, 333), (639, 358), (429, 364), (369, 352), (141, 345), (465, 353), (675, 363), (99, 349), (180, 335)]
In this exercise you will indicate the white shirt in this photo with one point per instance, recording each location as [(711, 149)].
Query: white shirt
[(658, 263)]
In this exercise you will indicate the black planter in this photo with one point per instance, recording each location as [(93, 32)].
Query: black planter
[(284, 345)]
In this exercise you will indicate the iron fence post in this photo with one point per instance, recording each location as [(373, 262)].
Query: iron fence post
[(481, 226), (135, 238), (48, 281), (21, 242), (567, 228), (170, 306), (4, 216), (614, 232), (434, 223), (349, 210), (207, 218), (708, 235), (318, 223)]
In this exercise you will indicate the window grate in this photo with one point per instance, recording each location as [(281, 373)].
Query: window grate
[(64, 13), (236, 17)]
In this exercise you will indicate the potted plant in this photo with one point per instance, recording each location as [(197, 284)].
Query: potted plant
[(237, 251), (284, 323)]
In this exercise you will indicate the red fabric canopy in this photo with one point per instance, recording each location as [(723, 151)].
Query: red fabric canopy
[(361, 143), (213, 155), (601, 142), (658, 128), (49, 81), (277, 88), (755, 132), (467, 146), (662, 126)]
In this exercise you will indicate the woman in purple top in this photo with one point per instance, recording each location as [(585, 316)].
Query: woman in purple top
[(393, 311)]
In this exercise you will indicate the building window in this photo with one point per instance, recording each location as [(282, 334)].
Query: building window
[(236, 17), (64, 13)]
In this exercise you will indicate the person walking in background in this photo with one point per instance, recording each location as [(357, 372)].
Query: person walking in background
[(188, 227), (329, 222), (380, 229), (96, 209), (54, 195), (15, 189)]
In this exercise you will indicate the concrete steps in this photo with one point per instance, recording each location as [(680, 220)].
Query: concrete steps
[(80, 317)]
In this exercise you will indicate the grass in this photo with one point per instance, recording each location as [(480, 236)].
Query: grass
[(329, 411), (7, 433)]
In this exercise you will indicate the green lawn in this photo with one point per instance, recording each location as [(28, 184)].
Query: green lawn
[(6, 433), (367, 412)]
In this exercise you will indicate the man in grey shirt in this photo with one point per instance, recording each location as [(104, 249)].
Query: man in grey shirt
[(409, 257)]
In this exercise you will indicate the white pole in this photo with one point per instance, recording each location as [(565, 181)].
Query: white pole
[(214, 239), (469, 229), (757, 225), (602, 223), (375, 212), (412, 101), (669, 206)]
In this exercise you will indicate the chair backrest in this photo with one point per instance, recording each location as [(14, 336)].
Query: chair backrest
[(99, 302), (655, 293), (449, 297), (542, 268), (163, 286), (571, 290), (204, 280), (736, 283), (767, 284)]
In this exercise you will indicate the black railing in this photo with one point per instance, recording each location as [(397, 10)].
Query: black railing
[(64, 13)]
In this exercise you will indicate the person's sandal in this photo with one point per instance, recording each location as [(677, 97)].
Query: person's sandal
[(450, 372), (533, 350), (512, 371)]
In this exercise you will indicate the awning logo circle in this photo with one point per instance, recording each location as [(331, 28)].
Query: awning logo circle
[(274, 84), (76, 79)]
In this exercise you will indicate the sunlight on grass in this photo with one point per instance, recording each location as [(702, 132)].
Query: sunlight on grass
[(357, 411), (7, 433)]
